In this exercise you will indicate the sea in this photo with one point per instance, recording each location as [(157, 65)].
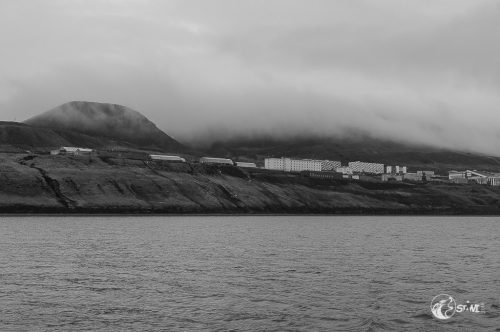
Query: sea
[(247, 273)]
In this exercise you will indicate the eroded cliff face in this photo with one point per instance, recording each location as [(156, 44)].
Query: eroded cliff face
[(93, 185)]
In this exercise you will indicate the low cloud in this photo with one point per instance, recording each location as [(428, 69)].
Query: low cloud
[(419, 71)]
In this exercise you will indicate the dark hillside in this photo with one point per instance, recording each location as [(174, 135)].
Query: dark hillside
[(106, 122)]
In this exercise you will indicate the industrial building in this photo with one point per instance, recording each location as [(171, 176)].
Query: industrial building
[(363, 167), (245, 165), (212, 160), (162, 157), (72, 151), (480, 177)]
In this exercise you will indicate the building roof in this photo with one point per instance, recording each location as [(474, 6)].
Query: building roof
[(74, 149)]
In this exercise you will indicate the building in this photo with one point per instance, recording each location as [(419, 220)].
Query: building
[(412, 177), (494, 180), (395, 169), (391, 177), (162, 157), (72, 151), (330, 165), (426, 173), (363, 167), (246, 165), (344, 170), (456, 176), (322, 175), (292, 165), (479, 177), (211, 160)]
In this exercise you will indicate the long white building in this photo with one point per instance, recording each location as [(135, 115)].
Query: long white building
[(163, 157), (330, 165), (362, 167), (212, 160), (298, 165), (245, 164)]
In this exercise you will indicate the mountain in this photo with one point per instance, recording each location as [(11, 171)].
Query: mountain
[(352, 148), (106, 123)]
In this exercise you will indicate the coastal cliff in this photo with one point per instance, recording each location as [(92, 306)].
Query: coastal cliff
[(64, 184)]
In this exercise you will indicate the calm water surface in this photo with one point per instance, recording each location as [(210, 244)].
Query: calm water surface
[(246, 273)]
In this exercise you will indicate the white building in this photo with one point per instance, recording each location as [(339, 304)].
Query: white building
[(362, 167), (163, 157), (344, 170), (452, 175), (211, 160), (480, 177), (74, 151), (330, 165), (292, 165), (494, 180), (245, 165), (395, 169)]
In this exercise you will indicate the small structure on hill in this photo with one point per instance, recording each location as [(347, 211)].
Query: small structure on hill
[(245, 165), (72, 151), (167, 158), (212, 160)]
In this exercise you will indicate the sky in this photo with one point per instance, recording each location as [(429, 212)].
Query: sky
[(422, 71)]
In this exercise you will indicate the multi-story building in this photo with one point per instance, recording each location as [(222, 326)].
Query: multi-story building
[(395, 169), (363, 167), (298, 165), (330, 165)]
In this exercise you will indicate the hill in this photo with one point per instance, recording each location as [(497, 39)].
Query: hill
[(65, 184), (102, 123)]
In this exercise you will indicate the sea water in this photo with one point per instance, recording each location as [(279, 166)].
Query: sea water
[(265, 273)]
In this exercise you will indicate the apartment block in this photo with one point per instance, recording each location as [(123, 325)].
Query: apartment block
[(363, 167)]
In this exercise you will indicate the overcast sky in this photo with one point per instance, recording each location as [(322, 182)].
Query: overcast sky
[(416, 70)]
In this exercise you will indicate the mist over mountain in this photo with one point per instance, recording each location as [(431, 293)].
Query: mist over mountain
[(106, 121), (353, 146)]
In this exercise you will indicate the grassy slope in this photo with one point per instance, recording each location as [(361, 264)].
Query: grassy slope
[(64, 184)]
